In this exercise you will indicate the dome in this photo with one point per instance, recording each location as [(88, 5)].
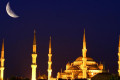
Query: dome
[(80, 59), (100, 64), (74, 68)]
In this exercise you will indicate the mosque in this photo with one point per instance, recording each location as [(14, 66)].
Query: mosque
[(82, 68)]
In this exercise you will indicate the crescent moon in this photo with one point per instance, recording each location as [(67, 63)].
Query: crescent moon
[(10, 12)]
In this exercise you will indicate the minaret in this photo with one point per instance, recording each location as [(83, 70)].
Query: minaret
[(84, 59), (2, 62), (34, 56), (49, 61), (119, 57)]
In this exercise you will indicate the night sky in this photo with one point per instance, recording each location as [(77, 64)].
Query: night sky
[(65, 22)]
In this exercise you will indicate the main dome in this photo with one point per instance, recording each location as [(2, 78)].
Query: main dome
[(80, 59)]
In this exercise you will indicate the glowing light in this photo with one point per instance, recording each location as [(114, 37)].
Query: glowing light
[(92, 74)]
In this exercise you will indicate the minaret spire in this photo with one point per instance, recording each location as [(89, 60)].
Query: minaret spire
[(34, 42), (2, 62), (84, 59), (84, 41), (119, 43), (2, 51), (34, 56), (119, 57), (49, 61), (50, 45)]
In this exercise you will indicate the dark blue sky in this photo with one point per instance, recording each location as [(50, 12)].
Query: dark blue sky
[(65, 22)]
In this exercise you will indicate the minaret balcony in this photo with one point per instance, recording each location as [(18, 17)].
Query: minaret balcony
[(34, 55), (118, 62), (118, 53), (2, 68), (84, 50), (34, 66), (49, 62), (2, 59), (49, 70), (119, 70), (49, 55)]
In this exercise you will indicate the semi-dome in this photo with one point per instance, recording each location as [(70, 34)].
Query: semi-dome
[(80, 59), (68, 64), (93, 68), (73, 68)]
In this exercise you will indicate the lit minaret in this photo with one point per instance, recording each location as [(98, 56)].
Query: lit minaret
[(34, 56), (119, 57), (49, 61), (2, 62), (84, 59)]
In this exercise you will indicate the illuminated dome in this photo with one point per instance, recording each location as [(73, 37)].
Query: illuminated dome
[(80, 59)]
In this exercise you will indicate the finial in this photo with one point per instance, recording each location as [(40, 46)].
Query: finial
[(104, 66), (50, 37), (34, 40), (61, 70), (108, 70), (34, 31), (84, 30)]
